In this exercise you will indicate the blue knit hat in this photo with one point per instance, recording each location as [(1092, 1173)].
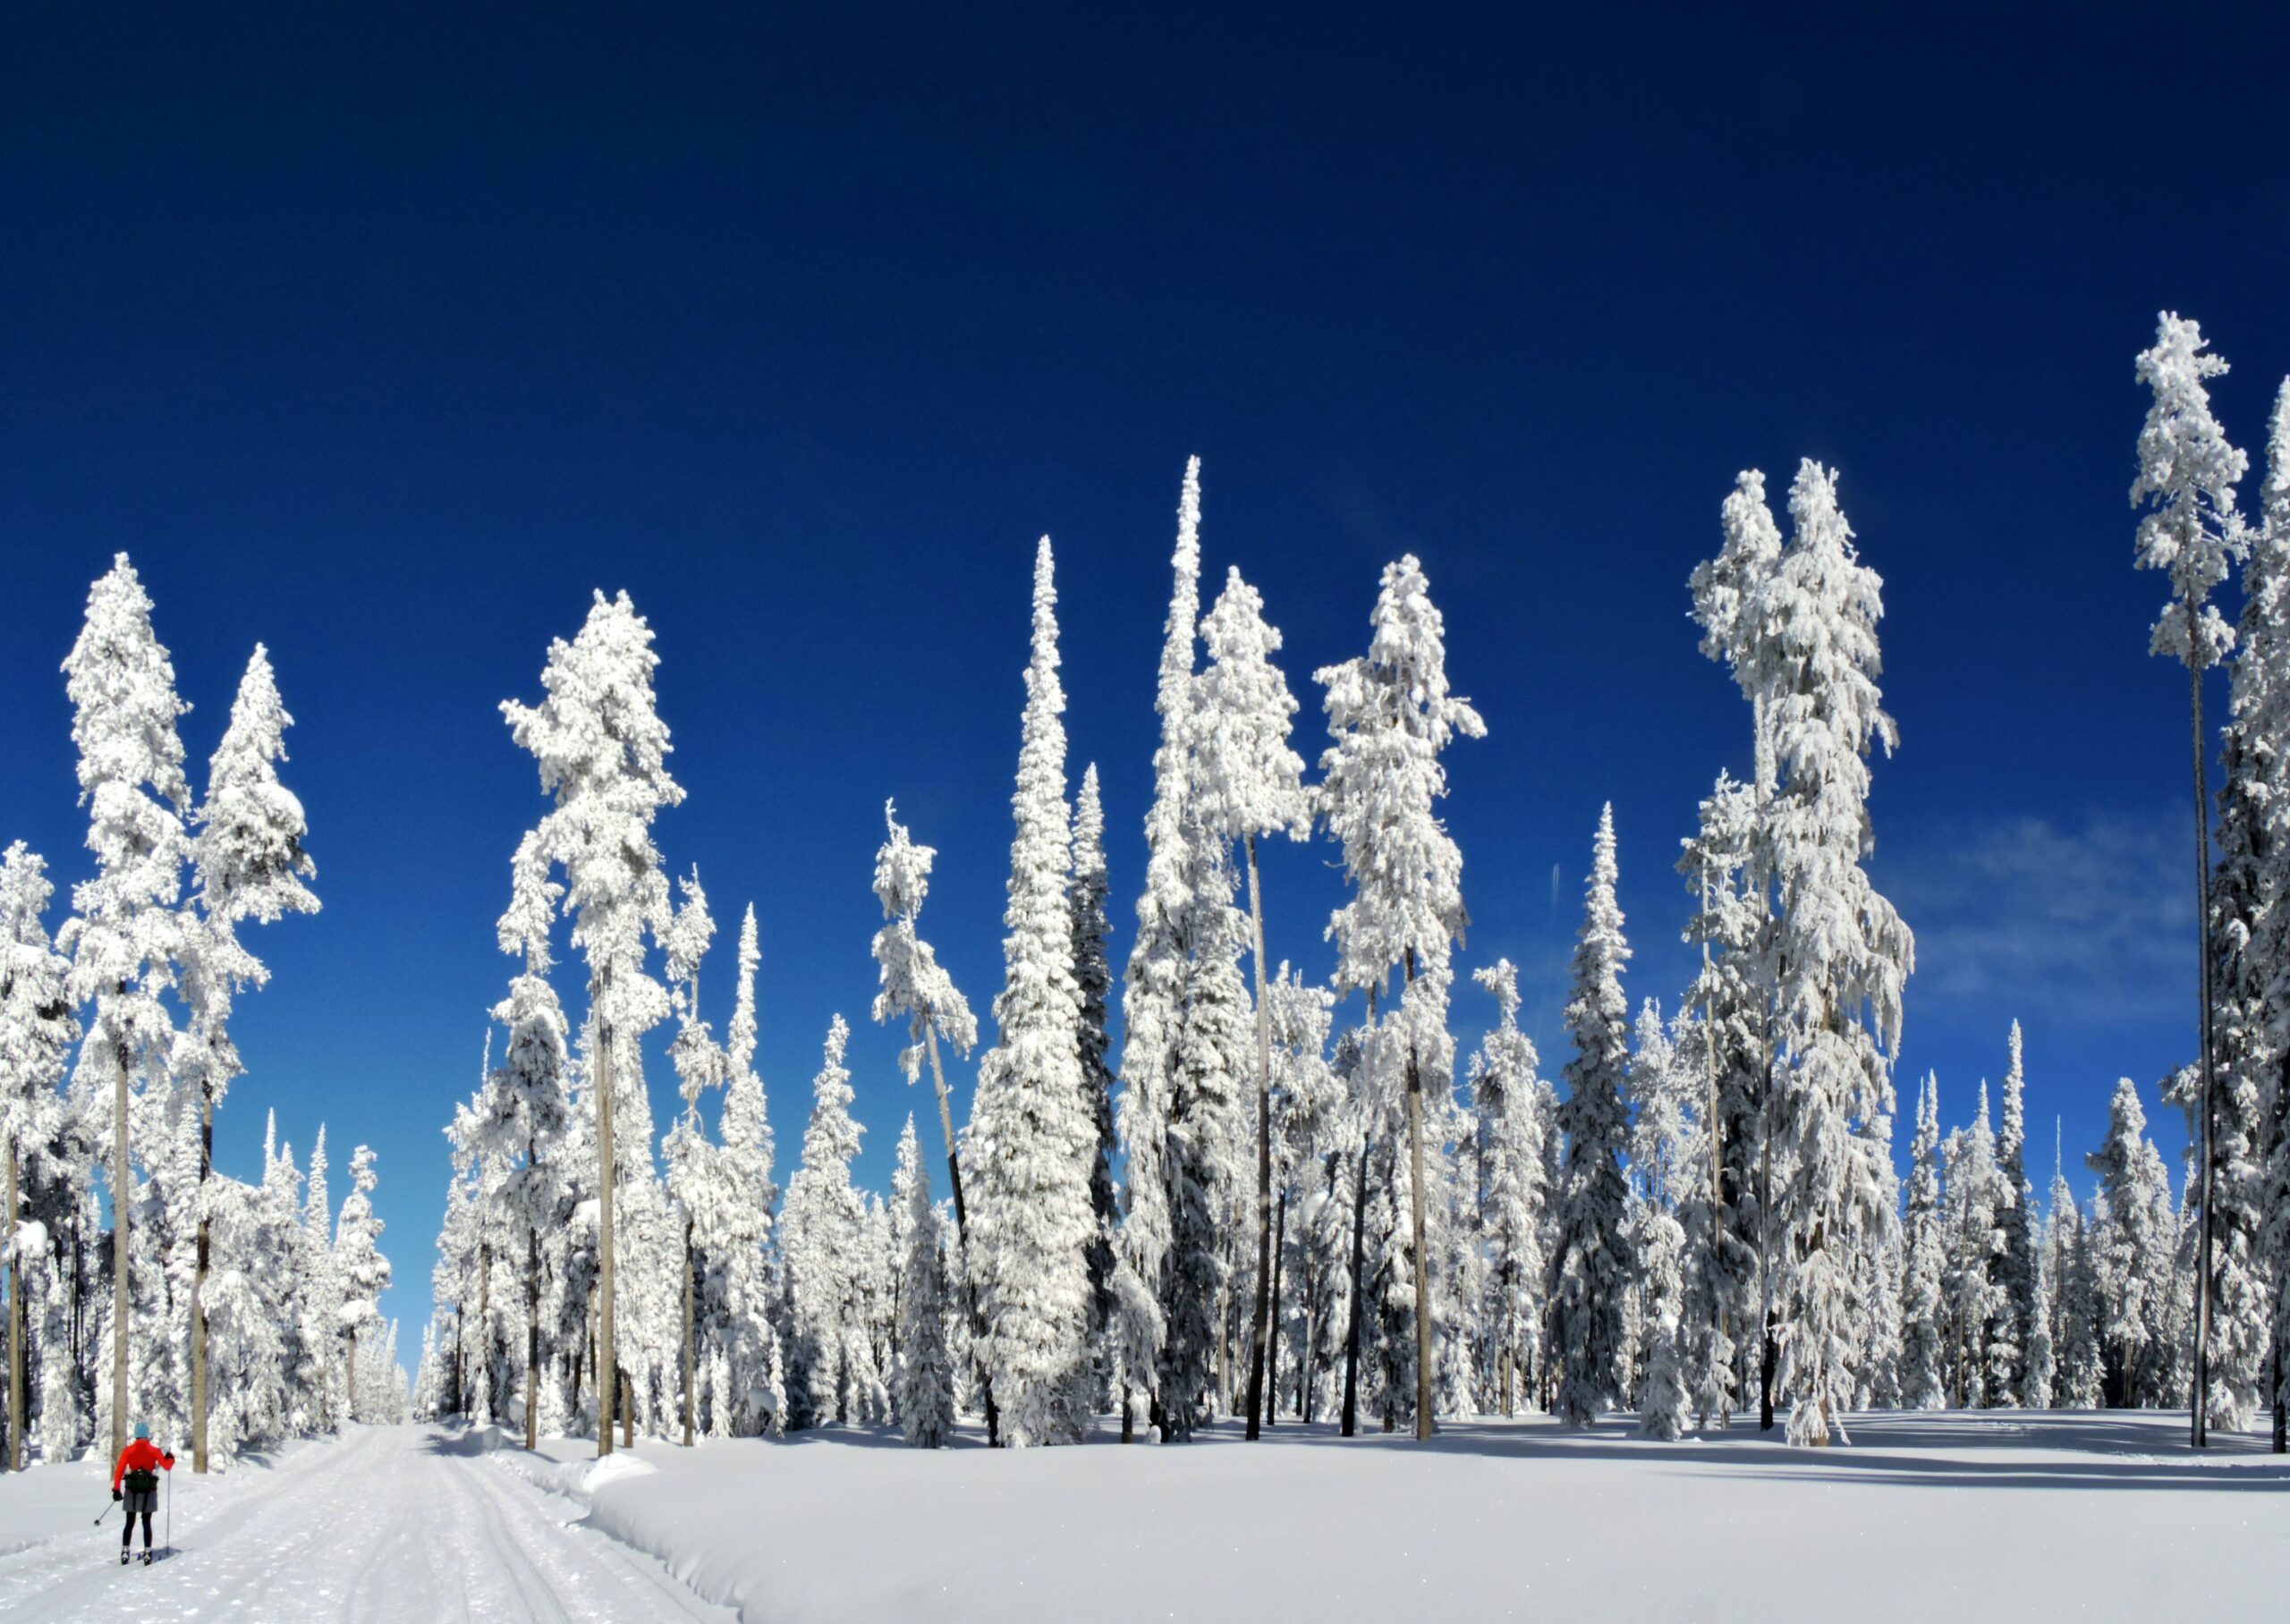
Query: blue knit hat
[(143, 1431)]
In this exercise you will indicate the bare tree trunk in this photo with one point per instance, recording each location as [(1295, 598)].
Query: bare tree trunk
[(349, 1361), (2201, 1427), (1769, 1361), (627, 1411), (1271, 1356), (1358, 1260), (119, 1309), (198, 1288), (532, 1337), (485, 1331), (607, 1360), (1422, 1261), (8, 1229), (962, 1228), (1263, 1149), (687, 1333), (1716, 1140)]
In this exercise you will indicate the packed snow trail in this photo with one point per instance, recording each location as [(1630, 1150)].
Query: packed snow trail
[(404, 1523)]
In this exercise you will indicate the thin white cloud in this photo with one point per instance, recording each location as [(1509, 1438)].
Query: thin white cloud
[(2092, 922)]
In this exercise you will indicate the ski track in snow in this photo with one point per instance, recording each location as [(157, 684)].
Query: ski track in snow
[(392, 1524)]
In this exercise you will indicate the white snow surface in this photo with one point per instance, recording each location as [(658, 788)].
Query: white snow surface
[(1963, 1515)]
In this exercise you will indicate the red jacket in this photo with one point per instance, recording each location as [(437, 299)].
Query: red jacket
[(140, 1455)]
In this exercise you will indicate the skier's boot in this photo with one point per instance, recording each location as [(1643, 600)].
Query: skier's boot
[(123, 1556), (147, 1556)]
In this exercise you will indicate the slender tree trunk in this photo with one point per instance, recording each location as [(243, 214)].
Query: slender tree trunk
[(532, 1337), (687, 1333), (8, 1233), (1271, 1356), (119, 1309), (627, 1411), (1128, 1421), (2201, 1427), (961, 1229), (1263, 1149), (1769, 1360), (1359, 1259), (198, 1288), (349, 1362), (1717, 1138), (1422, 1260), (607, 1357), (485, 1333)]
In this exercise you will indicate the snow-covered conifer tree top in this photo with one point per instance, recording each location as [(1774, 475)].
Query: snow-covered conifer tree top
[(2185, 484), (913, 982), (1390, 714), (252, 861), (1251, 783), (602, 751)]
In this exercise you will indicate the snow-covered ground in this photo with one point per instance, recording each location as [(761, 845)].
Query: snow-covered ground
[(1957, 1518)]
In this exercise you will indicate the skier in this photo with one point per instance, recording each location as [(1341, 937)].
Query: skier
[(137, 1462)]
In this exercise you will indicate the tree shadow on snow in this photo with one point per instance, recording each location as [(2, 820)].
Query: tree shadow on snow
[(2000, 1448)]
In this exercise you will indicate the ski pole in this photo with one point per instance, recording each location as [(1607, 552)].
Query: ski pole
[(104, 1513)]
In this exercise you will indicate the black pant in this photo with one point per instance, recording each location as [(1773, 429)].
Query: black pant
[(143, 1500)]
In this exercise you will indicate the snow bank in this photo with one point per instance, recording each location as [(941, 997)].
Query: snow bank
[(1995, 1514)]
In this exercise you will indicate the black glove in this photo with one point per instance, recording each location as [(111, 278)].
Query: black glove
[(114, 1494)]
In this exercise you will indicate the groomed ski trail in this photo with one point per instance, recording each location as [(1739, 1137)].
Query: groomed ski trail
[(389, 1524)]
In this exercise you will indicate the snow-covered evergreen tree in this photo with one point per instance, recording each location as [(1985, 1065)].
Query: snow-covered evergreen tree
[(1093, 979), (1972, 1207), (926, 1382), (1153, 989), (1923, 1384), (1514, 1201), (1032, 1134), (1839, 949), (125, 938), (2131, 1236), (1390, 714), (2189, 529), (1252, 784), (1589, 1269), (359, 1270), (746, 1358), (820, 1235), (2012, 1332), (36, 1031), (2080, 1383), (602, 750), (249, 864)]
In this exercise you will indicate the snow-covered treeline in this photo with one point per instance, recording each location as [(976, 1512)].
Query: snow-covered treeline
[(1323, 1214), (142, 1283)]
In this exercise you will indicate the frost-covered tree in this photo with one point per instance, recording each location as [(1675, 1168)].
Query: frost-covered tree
[(2011, 1328), (747, 1363), (1730, 865), (36, 1031), (1722, 1052), (926, 1381), (361, 1270), (1923, 1381), (1032, 1134), (694, 1180), (602, 750), (2132, 1237), (1514, 1197), (125, 938), (249, 864), (1087, 890), (1591, 1265), (1390, 712), (1251, 784), (1973, 1207), (2189, 529), (2081, 1384), (1839, 950), (1153, 989), (820, 1235)]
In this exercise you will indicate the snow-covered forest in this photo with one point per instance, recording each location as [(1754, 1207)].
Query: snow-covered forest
[(1207, 1189)]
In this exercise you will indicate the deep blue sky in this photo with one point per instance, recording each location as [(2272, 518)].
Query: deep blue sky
[(385, 336)]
